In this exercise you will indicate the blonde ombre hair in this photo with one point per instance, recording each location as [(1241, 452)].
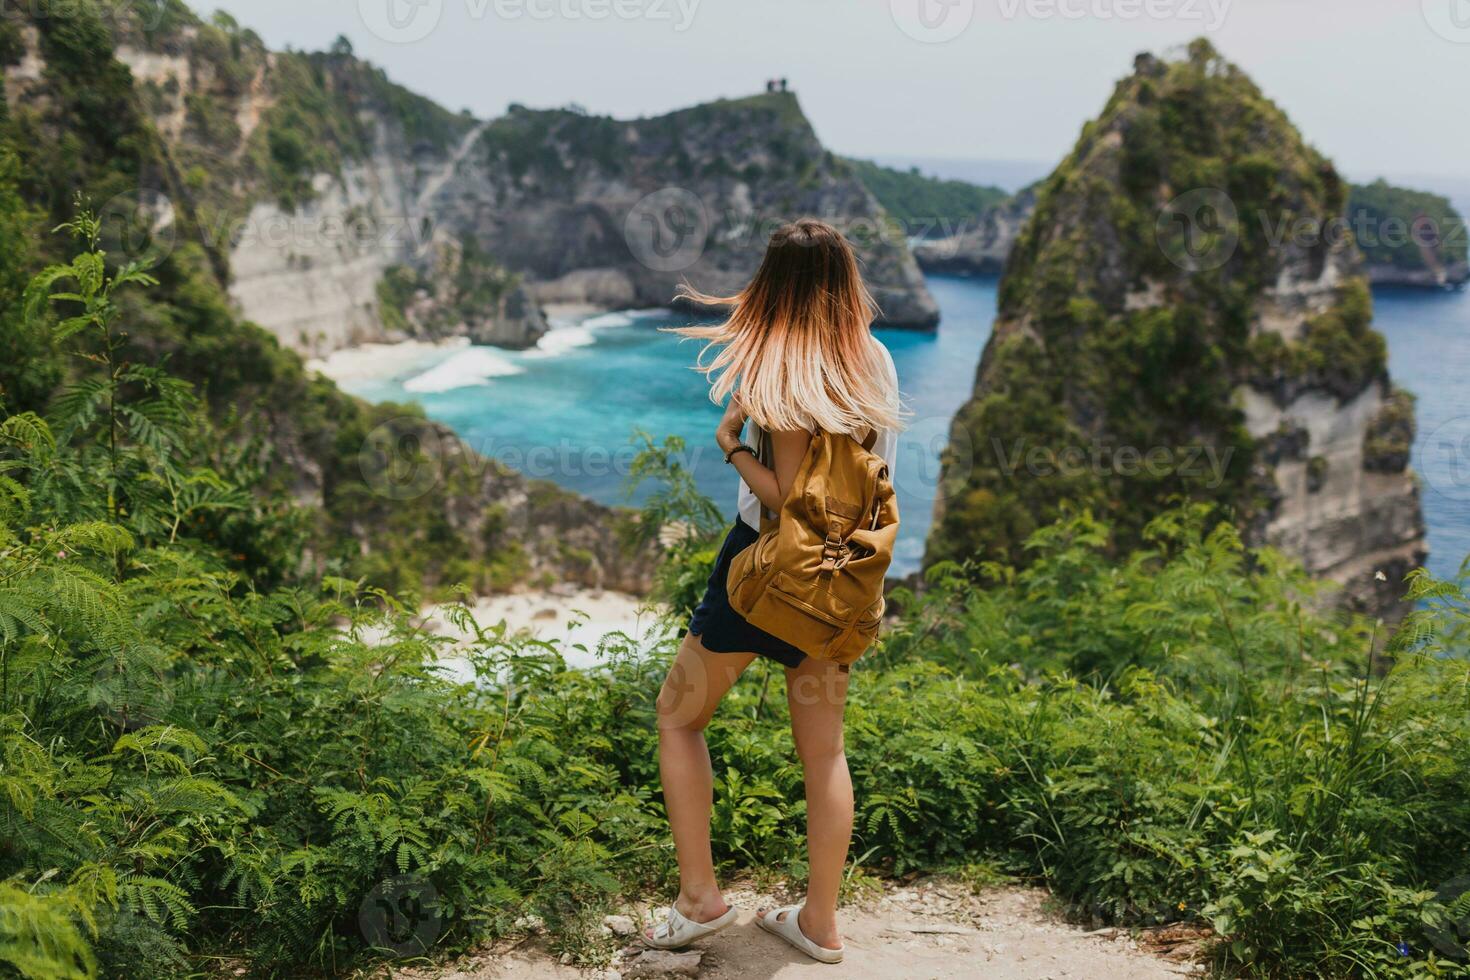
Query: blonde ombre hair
[(797, 347)]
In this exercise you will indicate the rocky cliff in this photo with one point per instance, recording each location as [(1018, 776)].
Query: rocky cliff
[(620, 212), (387, 494), (323, 177), (1408, 238), (313, 173), (1155, 342), (981, 246)]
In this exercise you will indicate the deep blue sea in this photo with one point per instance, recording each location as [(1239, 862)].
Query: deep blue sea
[(1429, 354), (567, 410)]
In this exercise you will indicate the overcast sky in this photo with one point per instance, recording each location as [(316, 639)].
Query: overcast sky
[(1379, 85)]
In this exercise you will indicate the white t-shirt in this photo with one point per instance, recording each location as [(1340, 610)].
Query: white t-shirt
[(749, 505)]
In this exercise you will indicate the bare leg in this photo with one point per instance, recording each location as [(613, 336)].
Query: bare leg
[(816, 692), (697, 681)]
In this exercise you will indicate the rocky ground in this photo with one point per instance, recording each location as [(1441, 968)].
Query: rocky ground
[(929, 929)]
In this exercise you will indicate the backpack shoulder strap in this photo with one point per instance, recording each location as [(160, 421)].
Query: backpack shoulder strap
[(767, 458)]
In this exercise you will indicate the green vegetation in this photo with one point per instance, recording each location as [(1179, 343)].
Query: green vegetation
[(198, 762), (1338, 349), (927, 206), (769, 131), (547, 143), (310, 109), (464, 282), (315, 123), (223, 739), (1390, 436), (306, 442), (1395, 227), (168, 701), (1076, 365)]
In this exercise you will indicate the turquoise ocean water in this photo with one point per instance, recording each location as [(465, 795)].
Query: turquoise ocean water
[(566, 411)]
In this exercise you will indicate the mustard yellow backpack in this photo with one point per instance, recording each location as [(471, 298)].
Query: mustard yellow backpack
[(814, 577)]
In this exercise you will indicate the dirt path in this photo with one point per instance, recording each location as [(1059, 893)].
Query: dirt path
[(924, 932)]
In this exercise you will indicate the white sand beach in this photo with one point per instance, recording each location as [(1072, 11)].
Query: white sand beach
[(371, 362), (575, 619)]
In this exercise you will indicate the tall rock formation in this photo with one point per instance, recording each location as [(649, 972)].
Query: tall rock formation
[(1160, 337)]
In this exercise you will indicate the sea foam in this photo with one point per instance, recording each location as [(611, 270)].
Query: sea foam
[(567, 335), (469, 368)]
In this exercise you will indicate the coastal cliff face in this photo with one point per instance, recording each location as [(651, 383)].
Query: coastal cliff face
[(388, 495), (314, 173), (619, 213), (1153, 343), (982, 247), (323, 178)]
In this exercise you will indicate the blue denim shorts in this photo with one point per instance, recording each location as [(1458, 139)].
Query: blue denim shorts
[(723, 630)]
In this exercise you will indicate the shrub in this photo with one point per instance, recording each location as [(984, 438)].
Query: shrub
[(195, 758)]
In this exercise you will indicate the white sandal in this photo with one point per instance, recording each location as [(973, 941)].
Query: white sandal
[(789, 929), (679, 930)]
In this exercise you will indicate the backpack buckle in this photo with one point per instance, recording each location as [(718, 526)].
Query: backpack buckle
[(835, 552)]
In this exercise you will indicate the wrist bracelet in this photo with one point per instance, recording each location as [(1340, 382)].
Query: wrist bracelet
[(742, 448)]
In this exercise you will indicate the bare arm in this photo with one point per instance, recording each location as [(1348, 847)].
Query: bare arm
[(787, 450)]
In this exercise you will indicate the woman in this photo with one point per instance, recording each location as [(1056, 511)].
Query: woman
[(796, 355)]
